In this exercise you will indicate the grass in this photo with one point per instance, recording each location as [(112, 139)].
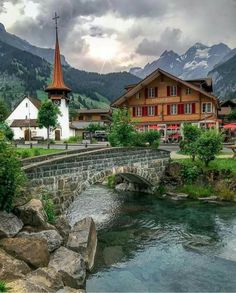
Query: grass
[(49, 208), (27, 152), (196, 191), (3, 287), (218, 163)]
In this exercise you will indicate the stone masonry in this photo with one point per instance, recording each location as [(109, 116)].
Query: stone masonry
[(67, 176)]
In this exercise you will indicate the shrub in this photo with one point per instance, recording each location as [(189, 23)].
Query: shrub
[(3, 286), (152, 136), (155, 144), (196, 191), (190, 173), (223, 191), (36, 152), (138, 139), (73, 139), (209, 144), (25, 154), (9, 134), (49, 207), (111, 181), (11, 176)]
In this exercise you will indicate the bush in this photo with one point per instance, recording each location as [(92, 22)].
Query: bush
[(190, 173), (9, 134), (3, 287), (223, 191), (155, 144), (36, 152), (189, 143), (11, 176), (196, 191), (111, 181), (138, 139), (152, 136), (73, 139), (209, 144), (24, 154), (49, 208)]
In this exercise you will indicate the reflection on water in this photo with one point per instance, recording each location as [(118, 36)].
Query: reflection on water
[(148, 244)]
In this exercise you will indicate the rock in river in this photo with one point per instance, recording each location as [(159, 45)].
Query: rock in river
[(83, 239), (10, 225), (71, 266), (32, 251), (25, 286)]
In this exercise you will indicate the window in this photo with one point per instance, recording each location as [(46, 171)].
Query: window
[(188, 91), (26, 105), (207, 108), (187, 108), (151, 92), (173, 90), (26, 117), (151, 110), (138, 96), (173, 109), (138, 111)]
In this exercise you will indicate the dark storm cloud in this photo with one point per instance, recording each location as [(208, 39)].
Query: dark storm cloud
[(169, 39)]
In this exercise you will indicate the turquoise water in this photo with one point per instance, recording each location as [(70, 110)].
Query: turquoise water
[(146, 244)]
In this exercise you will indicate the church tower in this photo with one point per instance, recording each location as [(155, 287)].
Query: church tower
[(58, 92)]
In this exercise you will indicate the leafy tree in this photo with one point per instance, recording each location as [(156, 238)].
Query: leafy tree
[(48, 116), (209, 144), (152, 137), (7, 131), (11, 175), (94, 127), (189, 143), (121, 128), (232, 115), (3, 111)]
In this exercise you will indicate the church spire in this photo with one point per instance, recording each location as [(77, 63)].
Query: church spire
[(57, 81)]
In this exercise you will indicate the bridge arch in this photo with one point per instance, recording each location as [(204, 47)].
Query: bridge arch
[(66, 177)]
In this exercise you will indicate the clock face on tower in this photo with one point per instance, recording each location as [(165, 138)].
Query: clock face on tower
[(57, 102)]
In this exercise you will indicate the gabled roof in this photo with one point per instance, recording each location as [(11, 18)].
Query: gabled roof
[(24, 123), (94, 111), (152, 77)]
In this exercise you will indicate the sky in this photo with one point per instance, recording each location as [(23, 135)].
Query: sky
[(114, 35)]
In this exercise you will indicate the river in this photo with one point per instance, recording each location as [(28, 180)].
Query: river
[(147, 244)]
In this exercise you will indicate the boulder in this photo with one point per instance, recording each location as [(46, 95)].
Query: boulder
[(53, 238), (11, 268), (47, 277), (177, 196), (122, 186), (32, 213), (83, 239), (70, 290), (71, 266), (33, 251), (25, 286), (10, 225), (63, 227)]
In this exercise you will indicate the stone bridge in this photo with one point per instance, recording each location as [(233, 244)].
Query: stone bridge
[(68, 175)]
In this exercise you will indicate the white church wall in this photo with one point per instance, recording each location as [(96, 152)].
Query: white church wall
[(63, 119)]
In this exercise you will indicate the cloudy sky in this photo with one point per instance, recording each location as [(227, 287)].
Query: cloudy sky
[(114, 35)]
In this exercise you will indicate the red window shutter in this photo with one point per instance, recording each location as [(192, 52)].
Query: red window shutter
[(179, 91), (179, 109), (156, 110), (146, 92), (193, 108), (168, 91), (144, 111), (168, 109), (156, 92), (134, 111), (182, 109)]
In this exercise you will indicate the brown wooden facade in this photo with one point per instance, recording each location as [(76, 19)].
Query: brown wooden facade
[(164, 101)]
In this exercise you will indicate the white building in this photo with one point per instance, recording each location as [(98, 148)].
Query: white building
[(23, 120)]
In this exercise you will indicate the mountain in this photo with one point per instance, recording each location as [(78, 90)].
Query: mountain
[(22, 73), (45, 53), (196, 62), (224, 79)]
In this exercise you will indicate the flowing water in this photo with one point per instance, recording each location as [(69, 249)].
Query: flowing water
[(146, 244)]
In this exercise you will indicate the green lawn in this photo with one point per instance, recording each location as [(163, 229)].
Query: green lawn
[(27, 152), (218, 163)]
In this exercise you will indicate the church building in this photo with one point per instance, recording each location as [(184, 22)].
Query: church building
[(23, 119)]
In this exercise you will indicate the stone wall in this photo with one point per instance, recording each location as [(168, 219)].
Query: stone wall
[(67, 176)]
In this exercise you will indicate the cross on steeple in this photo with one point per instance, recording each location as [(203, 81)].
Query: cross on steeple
[(56, 17)]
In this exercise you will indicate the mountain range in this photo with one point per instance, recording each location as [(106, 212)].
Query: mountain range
[(26, 69)]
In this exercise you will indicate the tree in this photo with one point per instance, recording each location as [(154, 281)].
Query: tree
[(121, 128), (11, 176), (209, 144), (232, 115), (188, 145), (94, 127), (152, 137), (6, 130), (3, 111), (48, 116)]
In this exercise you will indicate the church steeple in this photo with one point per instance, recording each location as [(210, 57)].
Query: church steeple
[(57, 86)]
